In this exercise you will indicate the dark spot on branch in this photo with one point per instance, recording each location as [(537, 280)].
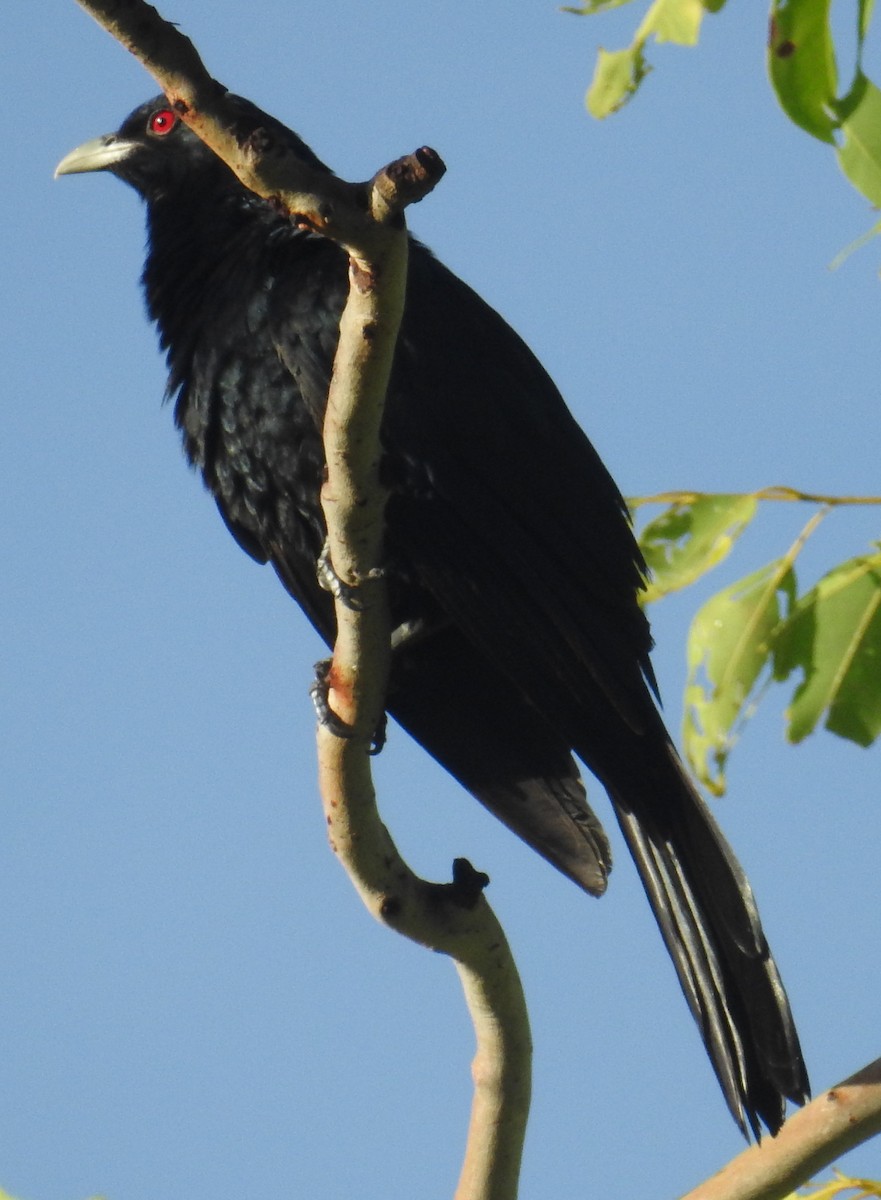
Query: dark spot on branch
[(468, 883), (361, 279), (785, 49), (464, 892), (389, 908), (180, 107)]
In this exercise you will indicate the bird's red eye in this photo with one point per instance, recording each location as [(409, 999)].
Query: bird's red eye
[(162, 121)]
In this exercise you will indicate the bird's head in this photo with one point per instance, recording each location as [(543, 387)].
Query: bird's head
[(153, 150), (157, 154)]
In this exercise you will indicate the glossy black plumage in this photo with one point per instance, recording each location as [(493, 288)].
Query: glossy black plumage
[(507, 542)]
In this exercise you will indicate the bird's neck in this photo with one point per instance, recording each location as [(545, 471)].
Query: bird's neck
[(202, 253)]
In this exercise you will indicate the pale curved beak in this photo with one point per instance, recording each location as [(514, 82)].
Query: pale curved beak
[(97, 155)]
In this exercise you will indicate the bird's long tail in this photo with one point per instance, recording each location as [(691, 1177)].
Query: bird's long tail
[(707, 915), (522, 770)]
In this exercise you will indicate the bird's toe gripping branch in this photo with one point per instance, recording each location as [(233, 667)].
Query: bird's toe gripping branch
[(319, 691), (346, 593)]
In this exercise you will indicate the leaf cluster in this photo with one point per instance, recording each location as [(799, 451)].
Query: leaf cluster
[(825, 640), (802, 67)]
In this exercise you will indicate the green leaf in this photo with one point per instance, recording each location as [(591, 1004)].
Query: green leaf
[(729, 647), (860, 154), (864, 20), (617, 75), (690, 538), (833, 637), (801, 64), (676, 21)]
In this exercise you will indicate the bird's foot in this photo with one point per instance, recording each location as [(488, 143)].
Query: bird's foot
[(319, 690), (380, 735), (347, 593)]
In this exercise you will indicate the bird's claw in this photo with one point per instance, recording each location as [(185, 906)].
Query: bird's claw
[(347, 593), (318, 690), (377, 742)]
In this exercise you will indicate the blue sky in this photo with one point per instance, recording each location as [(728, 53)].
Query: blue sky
[(194, 1004)]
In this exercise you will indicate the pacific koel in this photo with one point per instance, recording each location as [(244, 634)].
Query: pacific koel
[(509, 556)]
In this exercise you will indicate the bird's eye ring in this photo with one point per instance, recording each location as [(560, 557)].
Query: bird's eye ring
[(162, 121)]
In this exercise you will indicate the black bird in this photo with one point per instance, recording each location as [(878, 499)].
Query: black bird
[(510, 558)]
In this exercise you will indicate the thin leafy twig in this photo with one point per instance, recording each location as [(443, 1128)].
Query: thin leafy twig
[(779, 492)]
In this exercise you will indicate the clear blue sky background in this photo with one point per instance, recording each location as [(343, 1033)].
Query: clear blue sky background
[(193, 1004)]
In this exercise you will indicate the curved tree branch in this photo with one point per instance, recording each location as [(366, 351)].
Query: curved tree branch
[(452, 918), (367, 220)]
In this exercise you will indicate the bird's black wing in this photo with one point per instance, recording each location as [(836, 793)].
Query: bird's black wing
[(509, 518)]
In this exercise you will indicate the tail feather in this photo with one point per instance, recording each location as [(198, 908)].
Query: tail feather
[(501, 750), (709, 921), (521, 769)]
